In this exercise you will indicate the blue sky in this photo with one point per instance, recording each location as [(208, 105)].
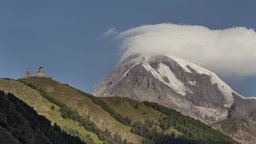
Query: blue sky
[(66, 37)]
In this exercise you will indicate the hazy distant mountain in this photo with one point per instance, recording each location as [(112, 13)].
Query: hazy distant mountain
[(178, 84), (108, 120)]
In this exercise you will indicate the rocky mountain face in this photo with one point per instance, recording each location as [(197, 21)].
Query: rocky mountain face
[(241, 121), (177, 84), (170, 82)]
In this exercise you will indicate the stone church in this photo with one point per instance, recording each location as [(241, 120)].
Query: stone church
[(40, 73)]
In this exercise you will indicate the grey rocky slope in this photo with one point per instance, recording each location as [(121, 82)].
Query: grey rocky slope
[(241, 121), (177, 84)]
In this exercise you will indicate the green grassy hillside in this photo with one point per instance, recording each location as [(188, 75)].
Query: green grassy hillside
[(46, 108), (169, 124), (84, 106), (109, 120), (138, 112), (132, 109), (19, 123)]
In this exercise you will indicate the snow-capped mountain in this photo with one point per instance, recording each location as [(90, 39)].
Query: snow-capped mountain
[(174, 83)]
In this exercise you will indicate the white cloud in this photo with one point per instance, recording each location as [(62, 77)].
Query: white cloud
[(110, 32), (227, 52)]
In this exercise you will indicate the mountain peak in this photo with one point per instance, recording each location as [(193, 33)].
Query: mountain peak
[(171, 82)]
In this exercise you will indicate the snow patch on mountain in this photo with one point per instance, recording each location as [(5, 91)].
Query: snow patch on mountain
[(181, 62), (249, 98), (166, 76), (128, 71), (193, 83), (223, 87)]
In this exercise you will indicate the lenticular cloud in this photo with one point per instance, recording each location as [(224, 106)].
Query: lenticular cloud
[(229, 51)]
